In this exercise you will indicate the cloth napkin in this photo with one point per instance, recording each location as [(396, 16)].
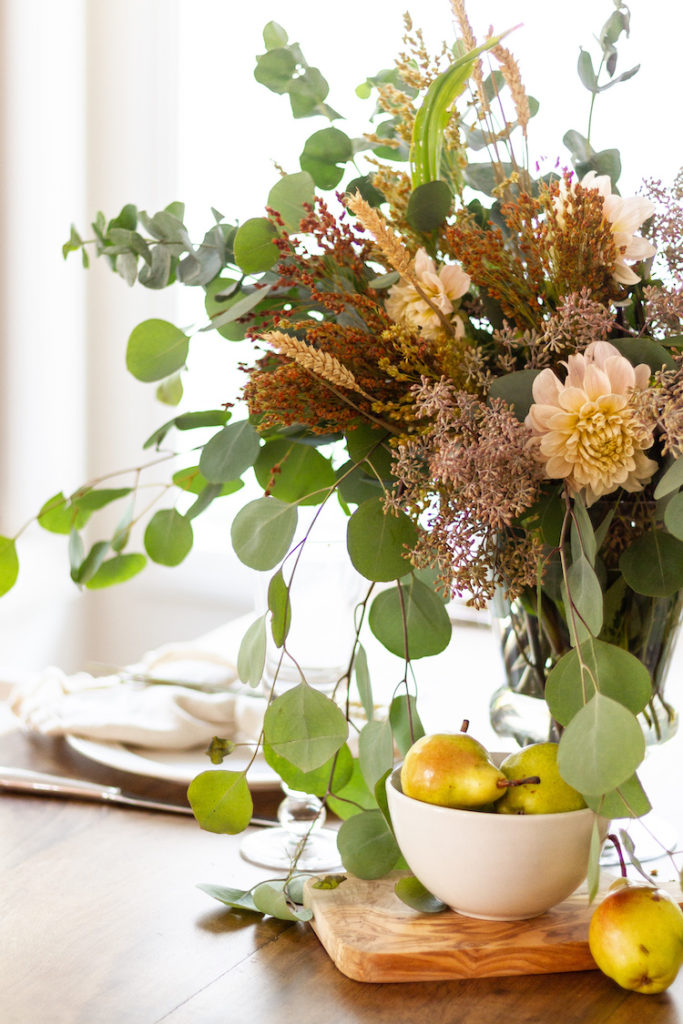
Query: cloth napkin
[(176, 698)]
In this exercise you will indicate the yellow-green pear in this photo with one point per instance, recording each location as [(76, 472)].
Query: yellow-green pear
[(452, 770), (550, 795), (636, 937)]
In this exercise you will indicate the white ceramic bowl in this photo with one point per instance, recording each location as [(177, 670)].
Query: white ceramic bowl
[(501, 867)]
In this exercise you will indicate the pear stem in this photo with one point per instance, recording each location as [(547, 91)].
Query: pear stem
[(465, 725), (505, 783), (617, 846)]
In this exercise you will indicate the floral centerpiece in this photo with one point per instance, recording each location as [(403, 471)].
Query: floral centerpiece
[(482, 367)]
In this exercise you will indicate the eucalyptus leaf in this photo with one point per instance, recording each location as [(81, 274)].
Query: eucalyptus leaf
[(516, 389), (673, 516), (305, 727), (221, 801), (9, 564), (628, 801), (615, 672), (375, 751), (251, 657), (367, 846), (670, 480), (270, 898), (406, 725), (601, 747), (330, 777), (262, 532), (254, 247), (354, 797), (413, 893), (58, 515), (289, 197), (156, 349), (280, 608), (117, 570), (429, 205), (427, 626), (239, 899), (586, 596), (230, 452), (593, 871), (380, 541), (168, 537), (363, 682), (294, 472), (653, 564)]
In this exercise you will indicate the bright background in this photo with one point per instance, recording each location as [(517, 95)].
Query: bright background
[(149, 101)]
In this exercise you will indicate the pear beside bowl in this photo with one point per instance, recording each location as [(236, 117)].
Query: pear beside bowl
[(500, 867)]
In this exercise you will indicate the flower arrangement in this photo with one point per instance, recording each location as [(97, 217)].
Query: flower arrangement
[(482, 366)]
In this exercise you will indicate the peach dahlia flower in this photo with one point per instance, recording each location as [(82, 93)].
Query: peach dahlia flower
[(585, 430), (443, 287)]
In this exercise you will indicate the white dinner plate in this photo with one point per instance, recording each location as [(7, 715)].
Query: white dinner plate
[(172, 765)]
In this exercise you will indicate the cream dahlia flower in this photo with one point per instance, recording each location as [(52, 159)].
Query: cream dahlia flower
[(625, 217), (443, 287), (585, 430)]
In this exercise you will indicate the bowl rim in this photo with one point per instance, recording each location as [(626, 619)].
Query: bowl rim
[(394, 781)]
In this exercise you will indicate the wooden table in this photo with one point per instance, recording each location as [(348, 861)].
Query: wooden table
[(101, 922)]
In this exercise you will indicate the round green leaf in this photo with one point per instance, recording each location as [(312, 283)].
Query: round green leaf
[(269, 898), (414, 894), (92, 498), (58, 515), (305, 727), (254, 248), (645, 350), (221, 801), (156, 349), (9, 564), (516, 389), (192, 480), (673, 516), (653, 564), (587, 597), (406, 725), (303, 474), (251, 657), (428, 627), (288, 197), (117, 570), (429, 205), (230, 452), (352, 798), (262, 532), (168, 537), (628, 801), (368, 444), (671, 479), (367, 845), (375, 751), (280, 608), (380, 541), (331, 776), (601, 747), (617, 673)]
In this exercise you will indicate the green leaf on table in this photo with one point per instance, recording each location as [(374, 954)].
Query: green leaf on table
[(262, 532), (363, 682), (375, 751), (168, 537), (230, 452), (156, 349), (288, 197), (294, 472), (270, 898), (280, 608), (9, 564), (413, 894), (428, 628), (405, 722), (255, 250), (670, 480), (117, 570), (367, 845), (305, 727), (221, 801), (240, 899), (653, 564), (331, 776), (251, 657), (615, 672), (629, 800), (601, 747), (380, 541)]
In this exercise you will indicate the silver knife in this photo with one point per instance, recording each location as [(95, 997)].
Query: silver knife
[(24, 780)]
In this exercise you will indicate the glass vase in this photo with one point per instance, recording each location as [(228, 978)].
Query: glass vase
[(649, 630)]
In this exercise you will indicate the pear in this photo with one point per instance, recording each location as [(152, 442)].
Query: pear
[(550, 795), (636, 937), (452, 770)]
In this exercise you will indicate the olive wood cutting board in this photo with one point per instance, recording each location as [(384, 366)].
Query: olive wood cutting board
[(370, 935)]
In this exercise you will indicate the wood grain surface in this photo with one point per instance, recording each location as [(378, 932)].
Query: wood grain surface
[(101, 922)]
